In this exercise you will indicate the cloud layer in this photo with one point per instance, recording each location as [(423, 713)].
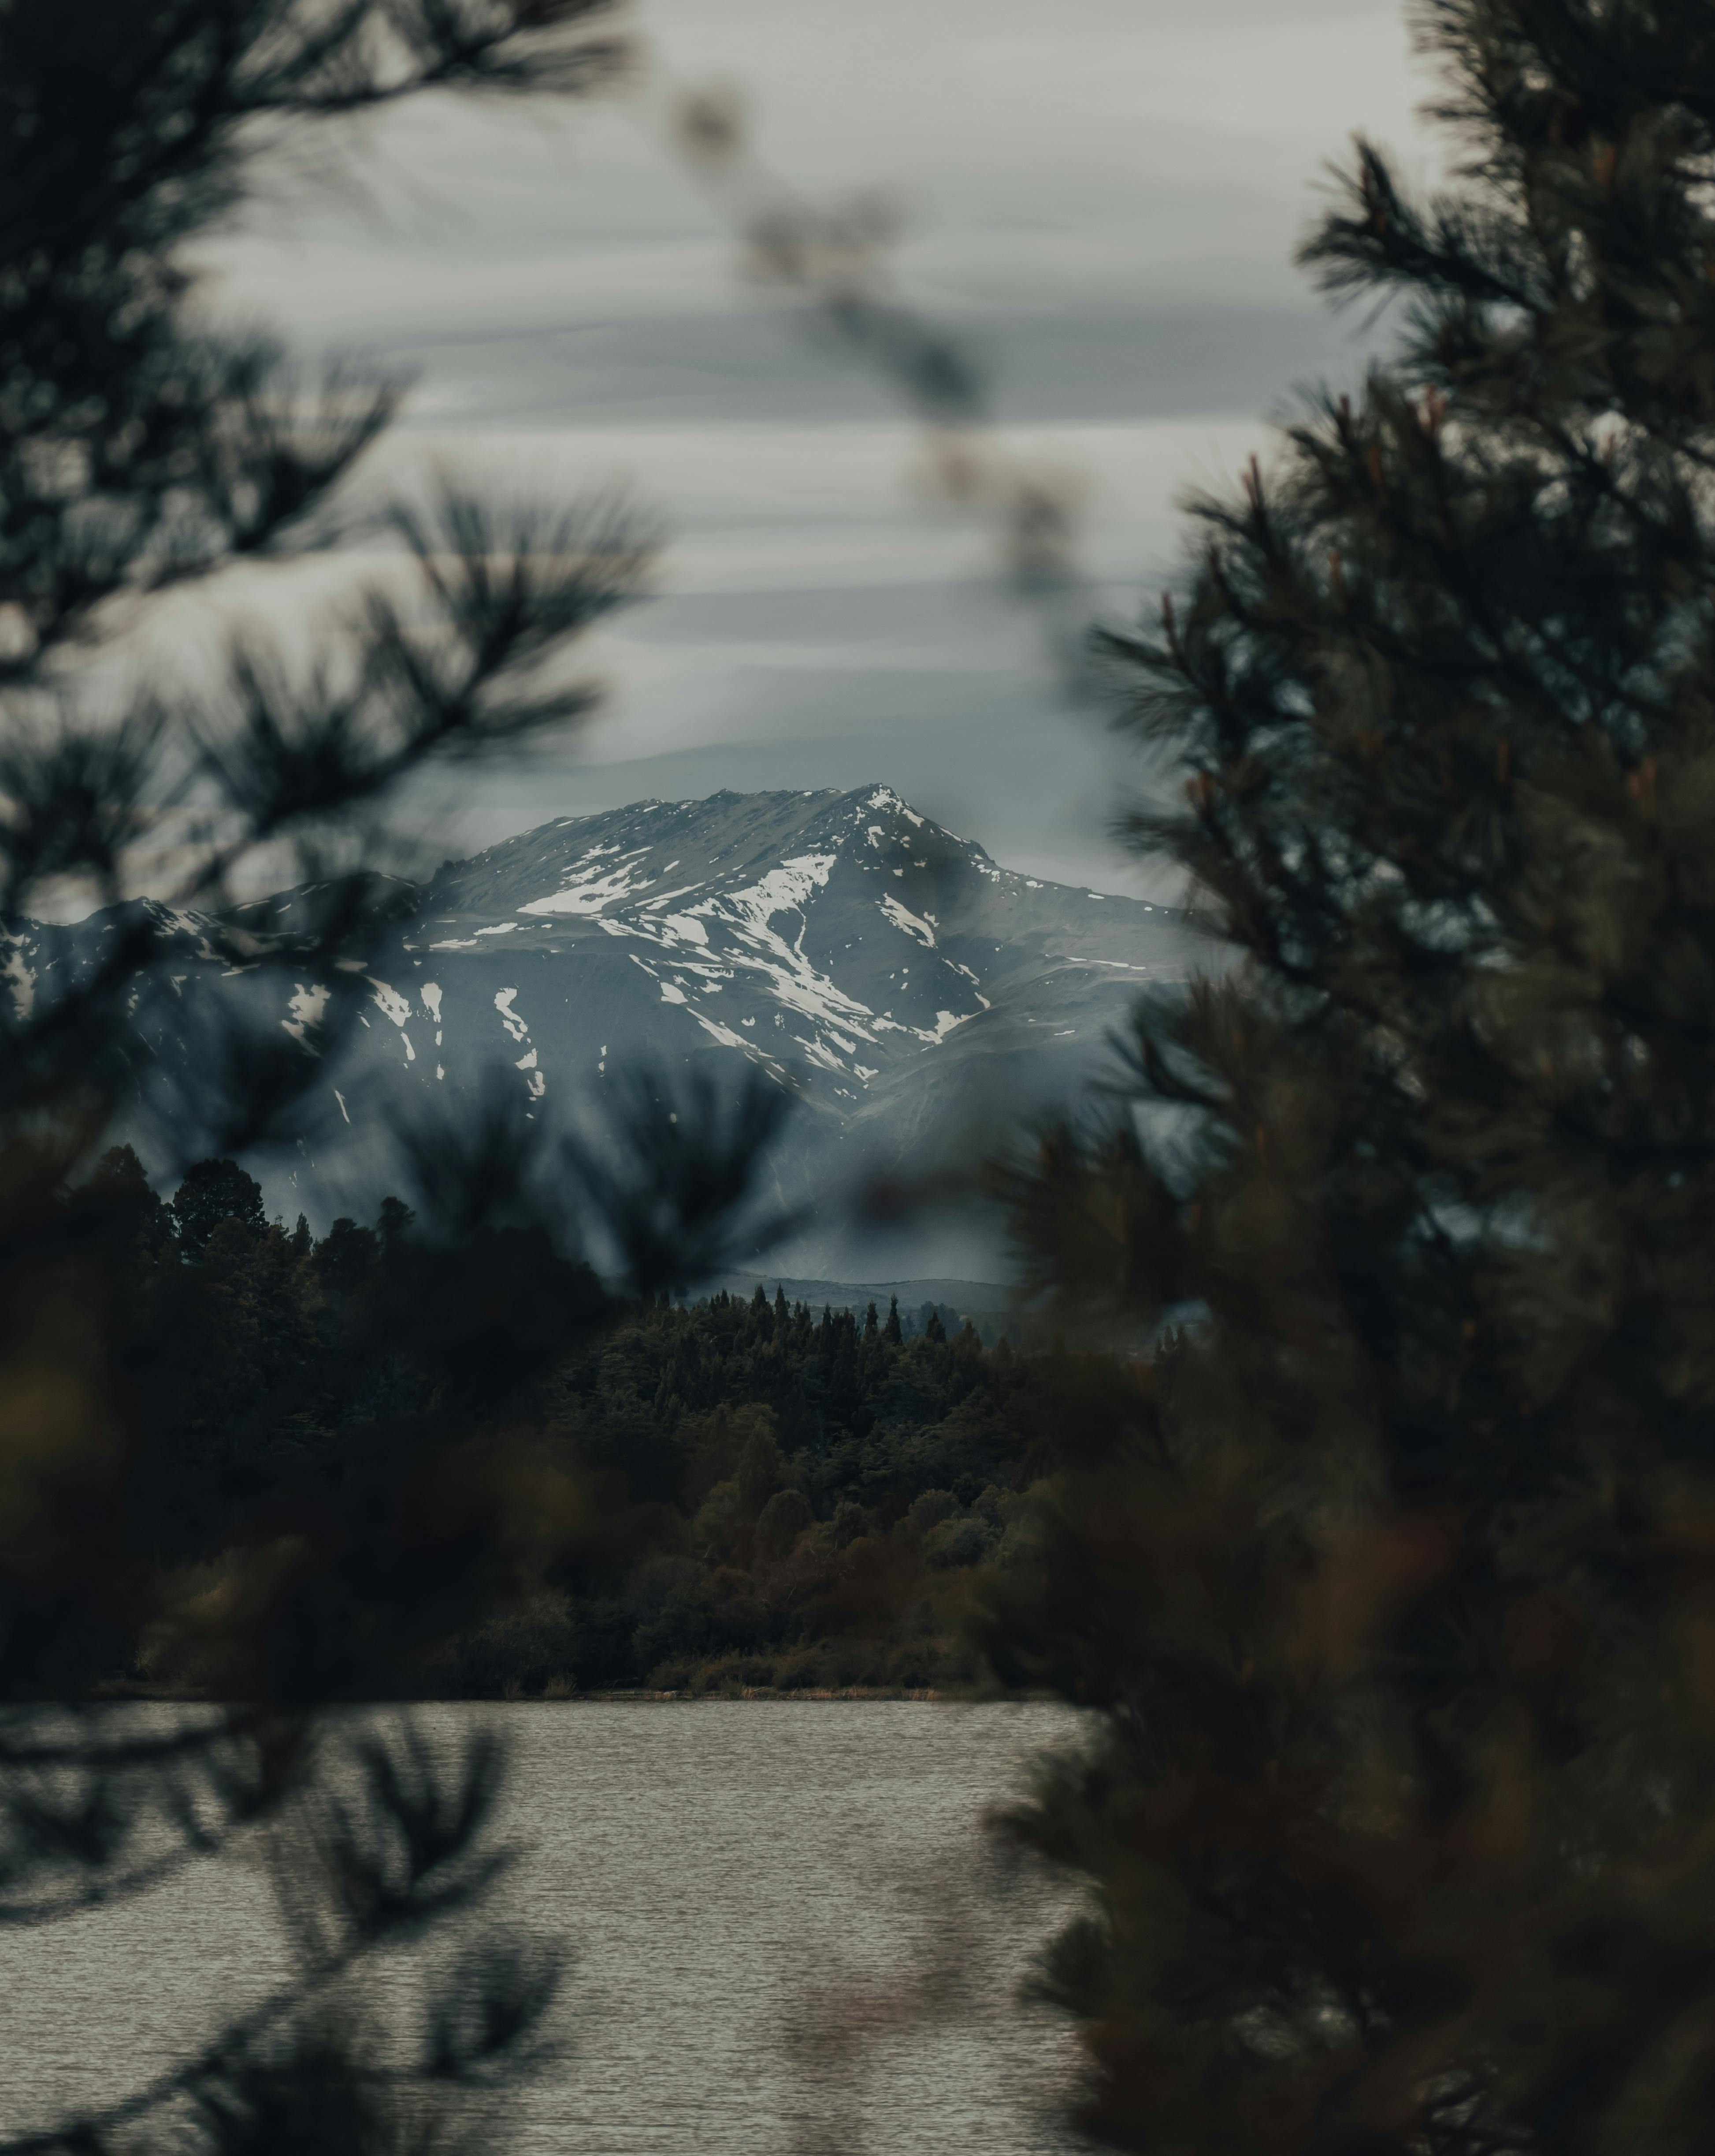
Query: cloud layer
[(1104, 199)]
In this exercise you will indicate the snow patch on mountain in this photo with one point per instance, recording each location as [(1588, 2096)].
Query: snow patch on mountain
[(20, 980), (592, 890), (304, 1010), (901, 916)]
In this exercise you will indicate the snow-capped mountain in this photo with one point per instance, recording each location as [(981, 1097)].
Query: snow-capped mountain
[(888, 971)]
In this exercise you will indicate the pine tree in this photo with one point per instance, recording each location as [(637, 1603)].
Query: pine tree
[(1392, 1574), (214, 1191), (394, 1223), (891, 1331), (143, 446), (145, 1221)]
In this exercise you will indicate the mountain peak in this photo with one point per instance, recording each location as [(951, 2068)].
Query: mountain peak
[(821, 933), (610, 863), (841, 942)]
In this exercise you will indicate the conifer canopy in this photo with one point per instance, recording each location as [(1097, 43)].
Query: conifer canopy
[(1391, 1572)]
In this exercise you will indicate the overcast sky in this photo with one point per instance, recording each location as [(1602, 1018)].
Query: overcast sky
[(1103, 194)]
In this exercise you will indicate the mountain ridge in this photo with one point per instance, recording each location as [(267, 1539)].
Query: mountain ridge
[(889, 972)]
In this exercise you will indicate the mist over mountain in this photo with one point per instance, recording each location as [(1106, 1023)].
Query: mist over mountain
[(904, 986)]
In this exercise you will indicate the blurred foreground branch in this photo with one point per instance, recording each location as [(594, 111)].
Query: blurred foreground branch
[(832, 264), (1388, 1574), (143, 448)]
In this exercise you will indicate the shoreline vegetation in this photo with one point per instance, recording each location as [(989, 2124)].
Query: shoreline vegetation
[(717, 1693)]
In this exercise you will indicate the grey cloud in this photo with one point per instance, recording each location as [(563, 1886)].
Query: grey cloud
[(1105, 196), (993, 756), (762, 366)]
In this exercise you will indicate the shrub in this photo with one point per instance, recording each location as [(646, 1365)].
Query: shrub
[(520, 1650)]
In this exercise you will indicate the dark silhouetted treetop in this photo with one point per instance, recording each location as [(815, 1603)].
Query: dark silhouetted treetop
[(213, 1192), (346, 1256), (139, 1215), (393, 1222)]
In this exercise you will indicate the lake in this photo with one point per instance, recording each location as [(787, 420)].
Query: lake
[(788, 1930)]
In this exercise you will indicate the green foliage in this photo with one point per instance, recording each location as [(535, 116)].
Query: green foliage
[(782, 1454), (1390, 1573), (752, 1482), (787, 1459)]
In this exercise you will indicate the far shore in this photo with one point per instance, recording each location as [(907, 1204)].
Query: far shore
[(161, 1695)]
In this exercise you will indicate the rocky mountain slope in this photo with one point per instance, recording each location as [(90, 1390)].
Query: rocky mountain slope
[(889, 972)]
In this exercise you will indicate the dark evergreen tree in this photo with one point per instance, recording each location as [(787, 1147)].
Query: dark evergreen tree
[(213, 1191), (347, 1257), (141, 1216), (1392, 1573), (394, 1221), (891, 1331)]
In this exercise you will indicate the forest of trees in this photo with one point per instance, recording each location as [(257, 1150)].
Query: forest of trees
[(791, 1500)]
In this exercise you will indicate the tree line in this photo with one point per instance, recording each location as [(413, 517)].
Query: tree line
[(792, 1501)]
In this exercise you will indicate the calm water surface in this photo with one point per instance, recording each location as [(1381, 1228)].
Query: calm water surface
[(742, 1885)]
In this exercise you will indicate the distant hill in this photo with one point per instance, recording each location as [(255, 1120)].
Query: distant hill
[(984, 1302)]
